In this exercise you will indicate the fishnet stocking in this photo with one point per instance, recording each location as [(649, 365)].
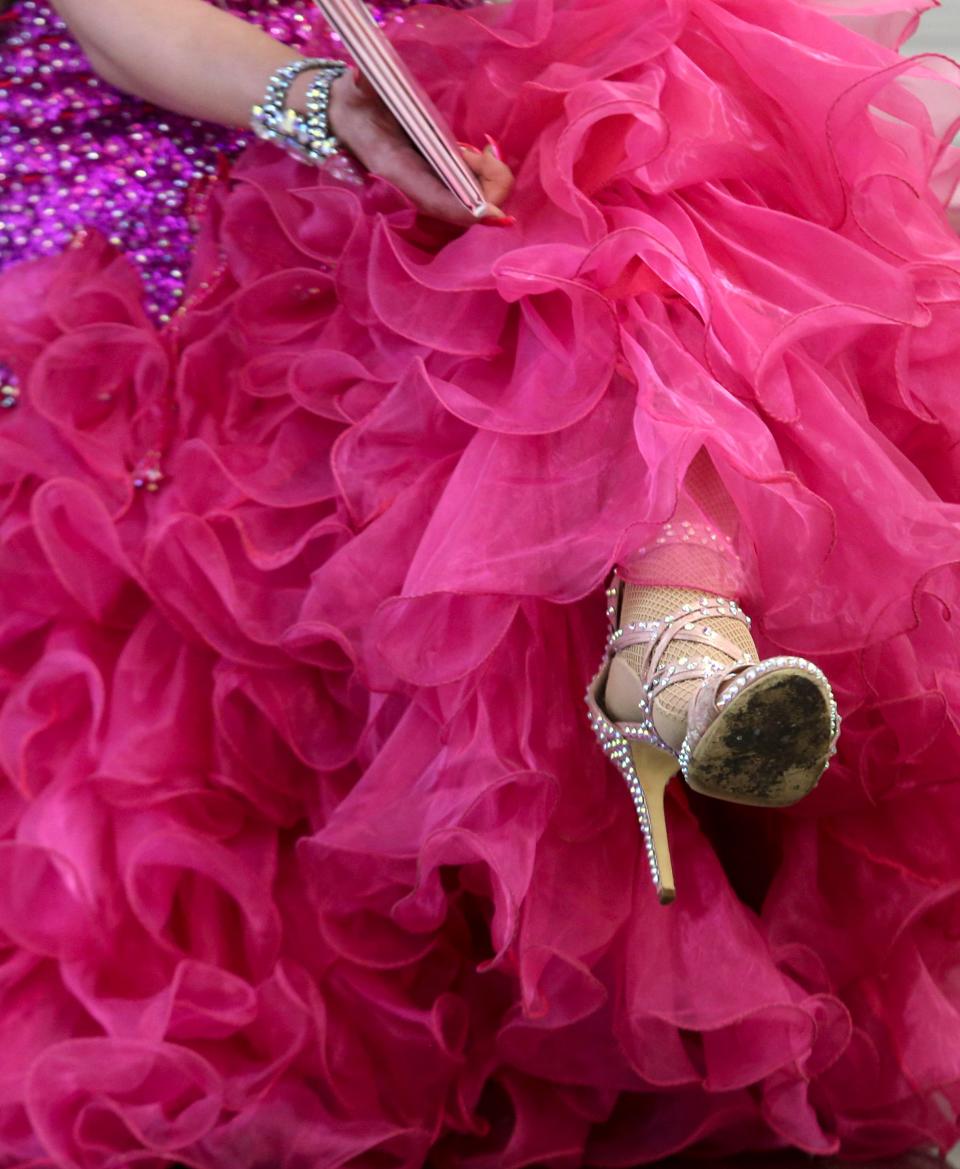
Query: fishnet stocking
[(698, 548)]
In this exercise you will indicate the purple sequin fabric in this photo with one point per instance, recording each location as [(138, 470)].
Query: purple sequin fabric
[(76, 154)]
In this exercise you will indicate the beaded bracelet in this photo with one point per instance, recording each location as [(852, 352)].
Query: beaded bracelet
[(308, 136)]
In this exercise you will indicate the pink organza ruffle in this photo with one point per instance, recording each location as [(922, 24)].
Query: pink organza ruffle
[(309, 858)]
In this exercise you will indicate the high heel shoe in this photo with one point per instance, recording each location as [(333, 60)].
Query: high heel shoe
[(737, 728)]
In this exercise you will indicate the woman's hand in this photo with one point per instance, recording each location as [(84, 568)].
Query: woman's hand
[(196, 59), (364, 125)]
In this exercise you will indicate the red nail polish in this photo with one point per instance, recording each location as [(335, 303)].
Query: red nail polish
[(500, 220), (494, 147), (360, 80)]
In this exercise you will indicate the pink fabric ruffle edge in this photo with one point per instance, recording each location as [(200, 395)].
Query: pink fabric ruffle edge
[(309, 858)]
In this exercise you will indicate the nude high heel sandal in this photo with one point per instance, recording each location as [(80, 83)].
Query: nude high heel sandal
[(681, 687)]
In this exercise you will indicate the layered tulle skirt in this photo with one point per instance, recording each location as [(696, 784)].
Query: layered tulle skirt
[(308, 856)]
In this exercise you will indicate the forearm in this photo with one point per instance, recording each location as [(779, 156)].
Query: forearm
[(184, 55)]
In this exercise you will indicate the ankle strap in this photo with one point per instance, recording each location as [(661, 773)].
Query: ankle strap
[(687, 625)]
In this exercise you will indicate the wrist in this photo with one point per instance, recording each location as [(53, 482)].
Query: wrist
[(297, 96), (341, 92)]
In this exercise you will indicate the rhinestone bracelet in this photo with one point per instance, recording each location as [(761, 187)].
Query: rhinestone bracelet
[(308, 136)]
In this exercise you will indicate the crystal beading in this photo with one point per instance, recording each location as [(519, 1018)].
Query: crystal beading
[(306, 137)]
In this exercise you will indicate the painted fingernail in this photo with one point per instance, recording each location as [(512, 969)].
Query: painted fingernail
[(494, 147), (467, 146), (500, 220)]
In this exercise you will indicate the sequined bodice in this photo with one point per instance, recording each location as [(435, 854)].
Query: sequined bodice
[(76, 154)]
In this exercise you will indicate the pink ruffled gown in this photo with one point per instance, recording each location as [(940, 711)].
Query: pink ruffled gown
[(309, 857)]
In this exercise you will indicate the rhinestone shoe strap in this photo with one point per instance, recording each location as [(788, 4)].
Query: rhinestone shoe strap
[(684, 627), (659, 635), (688, 624)]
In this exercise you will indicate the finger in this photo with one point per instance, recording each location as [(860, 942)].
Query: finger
[(496, 178), (384, 149), (373, 135), (401, 165), (361, 121)]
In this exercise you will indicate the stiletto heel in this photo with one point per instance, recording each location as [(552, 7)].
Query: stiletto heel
[(654, 770), (746, 731)]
